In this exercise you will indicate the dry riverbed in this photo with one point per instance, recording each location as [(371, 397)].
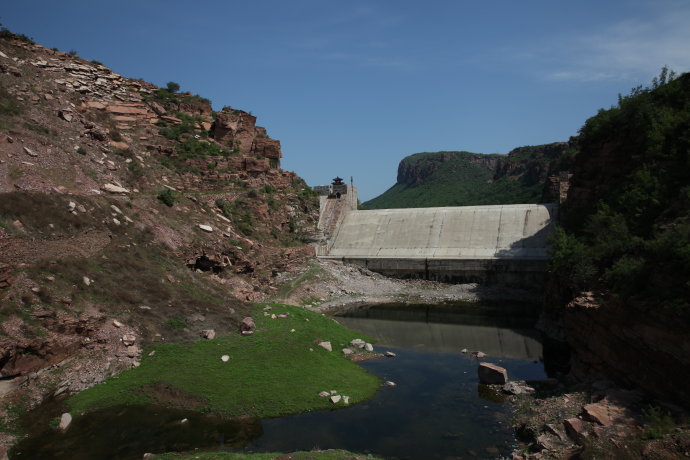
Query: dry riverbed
[(331, 286)]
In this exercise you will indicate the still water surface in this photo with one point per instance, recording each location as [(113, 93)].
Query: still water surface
[(436, 411)]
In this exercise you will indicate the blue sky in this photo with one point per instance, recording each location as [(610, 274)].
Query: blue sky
[(352, 87)]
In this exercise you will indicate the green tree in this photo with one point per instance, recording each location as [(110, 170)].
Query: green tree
[(172, 87)]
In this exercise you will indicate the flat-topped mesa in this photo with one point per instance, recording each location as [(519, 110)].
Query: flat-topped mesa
[(237, 130)]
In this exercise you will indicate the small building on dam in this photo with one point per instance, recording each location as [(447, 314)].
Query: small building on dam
[(498, 244)]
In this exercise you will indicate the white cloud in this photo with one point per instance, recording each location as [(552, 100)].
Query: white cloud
[(630, 49)]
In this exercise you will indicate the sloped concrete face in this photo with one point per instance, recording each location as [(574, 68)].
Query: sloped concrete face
[(464, 232), (503, 244)]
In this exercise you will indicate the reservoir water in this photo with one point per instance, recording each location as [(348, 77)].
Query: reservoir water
[(437, 410)]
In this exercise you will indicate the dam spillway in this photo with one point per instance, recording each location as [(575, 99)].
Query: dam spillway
[(504, 244)]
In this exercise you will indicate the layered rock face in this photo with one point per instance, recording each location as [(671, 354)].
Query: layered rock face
[(237, 129), (639, 348)]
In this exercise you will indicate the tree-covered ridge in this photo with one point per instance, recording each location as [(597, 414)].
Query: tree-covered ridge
[(458, 178), (627, 217)]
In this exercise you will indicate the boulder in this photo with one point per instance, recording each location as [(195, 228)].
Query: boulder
[(119, 145), (65, 421), (347, 351), (575, 429), (207, 334), (492, 374), (598, 413), (368, 347), (517, 388), (247, 326), (206, 228), (30, 152), (335, 399), (357, 343), (225, 358), (110, 188), (390, 354)]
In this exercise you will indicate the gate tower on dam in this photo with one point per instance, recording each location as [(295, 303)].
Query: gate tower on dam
[(497, 244)]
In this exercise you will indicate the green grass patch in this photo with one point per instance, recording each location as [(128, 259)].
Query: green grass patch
[(271, 373), (313, 455)]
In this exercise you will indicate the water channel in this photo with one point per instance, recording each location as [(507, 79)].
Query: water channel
[(436, 410)]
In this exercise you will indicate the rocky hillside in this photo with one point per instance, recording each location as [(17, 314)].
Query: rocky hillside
[(466, 179), (128, 213)]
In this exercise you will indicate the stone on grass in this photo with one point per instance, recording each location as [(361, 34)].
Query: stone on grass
[(346, 400), (225, 358), (247, 326), (492, 374), (357, 343), (207, 334), (335, 399), (347, 351), (86, 280), (324, 394), (65, 420), (326, 345), (368, 347), (206, 228)]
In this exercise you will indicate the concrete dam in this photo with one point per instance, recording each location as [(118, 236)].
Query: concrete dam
[(501, 244)]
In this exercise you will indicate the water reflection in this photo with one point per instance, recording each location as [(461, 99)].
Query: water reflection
[(127, 432), (450, 332)]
